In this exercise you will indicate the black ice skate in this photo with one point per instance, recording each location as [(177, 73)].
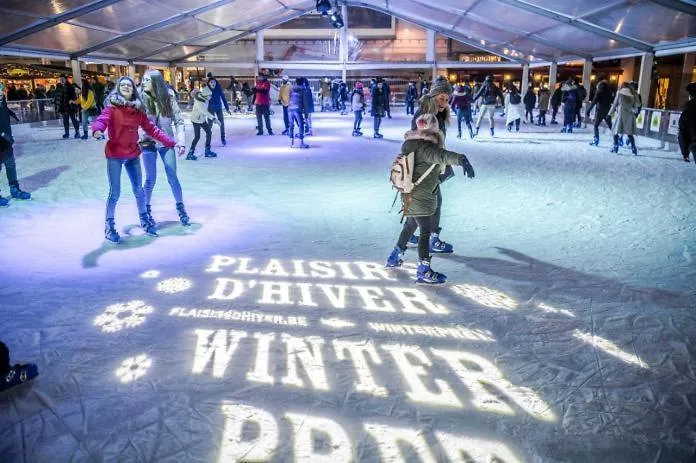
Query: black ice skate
[(110, 232), (183, 216), (147, 226)]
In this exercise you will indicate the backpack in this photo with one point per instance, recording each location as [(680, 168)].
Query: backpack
[(401, 178), (515, 98)]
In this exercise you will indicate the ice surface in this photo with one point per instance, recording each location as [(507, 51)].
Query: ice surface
[(571, 294)]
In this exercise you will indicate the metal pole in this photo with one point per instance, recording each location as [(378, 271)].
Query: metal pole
[(259, 50), (645, 77), (553, 73), (76, 72), (344, 43)]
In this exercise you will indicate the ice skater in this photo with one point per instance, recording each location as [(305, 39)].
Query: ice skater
[(217, 101), (489, 94), (263, 104), (544, 97), (297, 111), (602, 100), (529, 104), (202, 119), (65, 101), (687, 125), (7, 158), (379, 107), (122, 115), (357, 105), (411, 97), (556, 99), (569, 99), (436, 103), (625, 105), (163, 110), (420, 205), (461, 103), (513, 108)]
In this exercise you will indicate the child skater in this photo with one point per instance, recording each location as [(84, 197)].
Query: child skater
[(122, 117), (357, 104), (427, 142)]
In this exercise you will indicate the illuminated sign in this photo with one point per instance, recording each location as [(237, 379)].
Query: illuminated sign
[(320, 329), (478, 58)]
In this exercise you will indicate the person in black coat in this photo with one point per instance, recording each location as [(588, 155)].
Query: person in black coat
[(297, 111), (556, 98), (387, 96), (687, 125), (411, 97), (570, 101), (66, 105), (6, 150), (582, 94), (602, 99), (529, 103), (379, 107)]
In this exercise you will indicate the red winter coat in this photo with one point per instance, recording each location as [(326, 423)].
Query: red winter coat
[(122, 123), (263, 93)]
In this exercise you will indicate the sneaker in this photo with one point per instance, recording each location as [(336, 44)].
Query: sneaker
[(66, 135), (210, 154), (18, 374), (191, 157), (595, 141), (4, 202), (413, 239), (427, 275), (16, 193), (438, 246), (378, 135), (395, 258)]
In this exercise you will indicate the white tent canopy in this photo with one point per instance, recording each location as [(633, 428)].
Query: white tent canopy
[(173, 31)]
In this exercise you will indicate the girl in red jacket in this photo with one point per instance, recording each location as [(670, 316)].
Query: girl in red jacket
[(122, 116)]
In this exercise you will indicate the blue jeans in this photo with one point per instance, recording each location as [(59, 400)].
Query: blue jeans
[(113, 172), (377, 121), (150, 162), (296, 117), (358, 120)]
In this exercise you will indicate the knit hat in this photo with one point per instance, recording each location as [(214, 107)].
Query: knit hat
[(286, 78), (691, 89), (441, 85)]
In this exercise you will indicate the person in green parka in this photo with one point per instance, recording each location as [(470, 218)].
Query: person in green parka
[(427, 143)]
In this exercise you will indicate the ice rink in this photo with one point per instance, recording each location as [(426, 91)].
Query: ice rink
[(268, 330)]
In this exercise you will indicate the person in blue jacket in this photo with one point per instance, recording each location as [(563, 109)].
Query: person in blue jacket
[(217, 100)]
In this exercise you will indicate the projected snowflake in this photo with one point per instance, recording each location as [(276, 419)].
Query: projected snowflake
[(174, 285), (486, 296), (133, 368), (125, 315)]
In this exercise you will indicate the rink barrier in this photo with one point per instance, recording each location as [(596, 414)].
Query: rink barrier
[(657, 124)]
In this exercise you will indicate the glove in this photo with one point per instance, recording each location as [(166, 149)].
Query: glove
[(466, 167)]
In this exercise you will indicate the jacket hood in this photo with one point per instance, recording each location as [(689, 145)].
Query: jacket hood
[(116, 99), (626, 91), (568, 88), (426, 135)]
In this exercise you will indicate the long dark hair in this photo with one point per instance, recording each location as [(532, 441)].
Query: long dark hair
[(159, 97)]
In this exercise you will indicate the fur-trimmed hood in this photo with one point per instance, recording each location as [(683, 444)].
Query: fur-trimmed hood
[(626, 91), (116, 99), (426, 135)]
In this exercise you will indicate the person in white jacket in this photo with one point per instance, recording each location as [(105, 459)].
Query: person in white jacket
[(513, 108), (162, 110), (203, 119)]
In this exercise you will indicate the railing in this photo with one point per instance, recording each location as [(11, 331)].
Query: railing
[(33, 110), (658, 124)]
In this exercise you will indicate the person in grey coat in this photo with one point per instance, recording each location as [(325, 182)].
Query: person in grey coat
[(625, 105)]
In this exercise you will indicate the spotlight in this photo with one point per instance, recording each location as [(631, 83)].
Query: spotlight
[(337, 22), (323, 7)]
